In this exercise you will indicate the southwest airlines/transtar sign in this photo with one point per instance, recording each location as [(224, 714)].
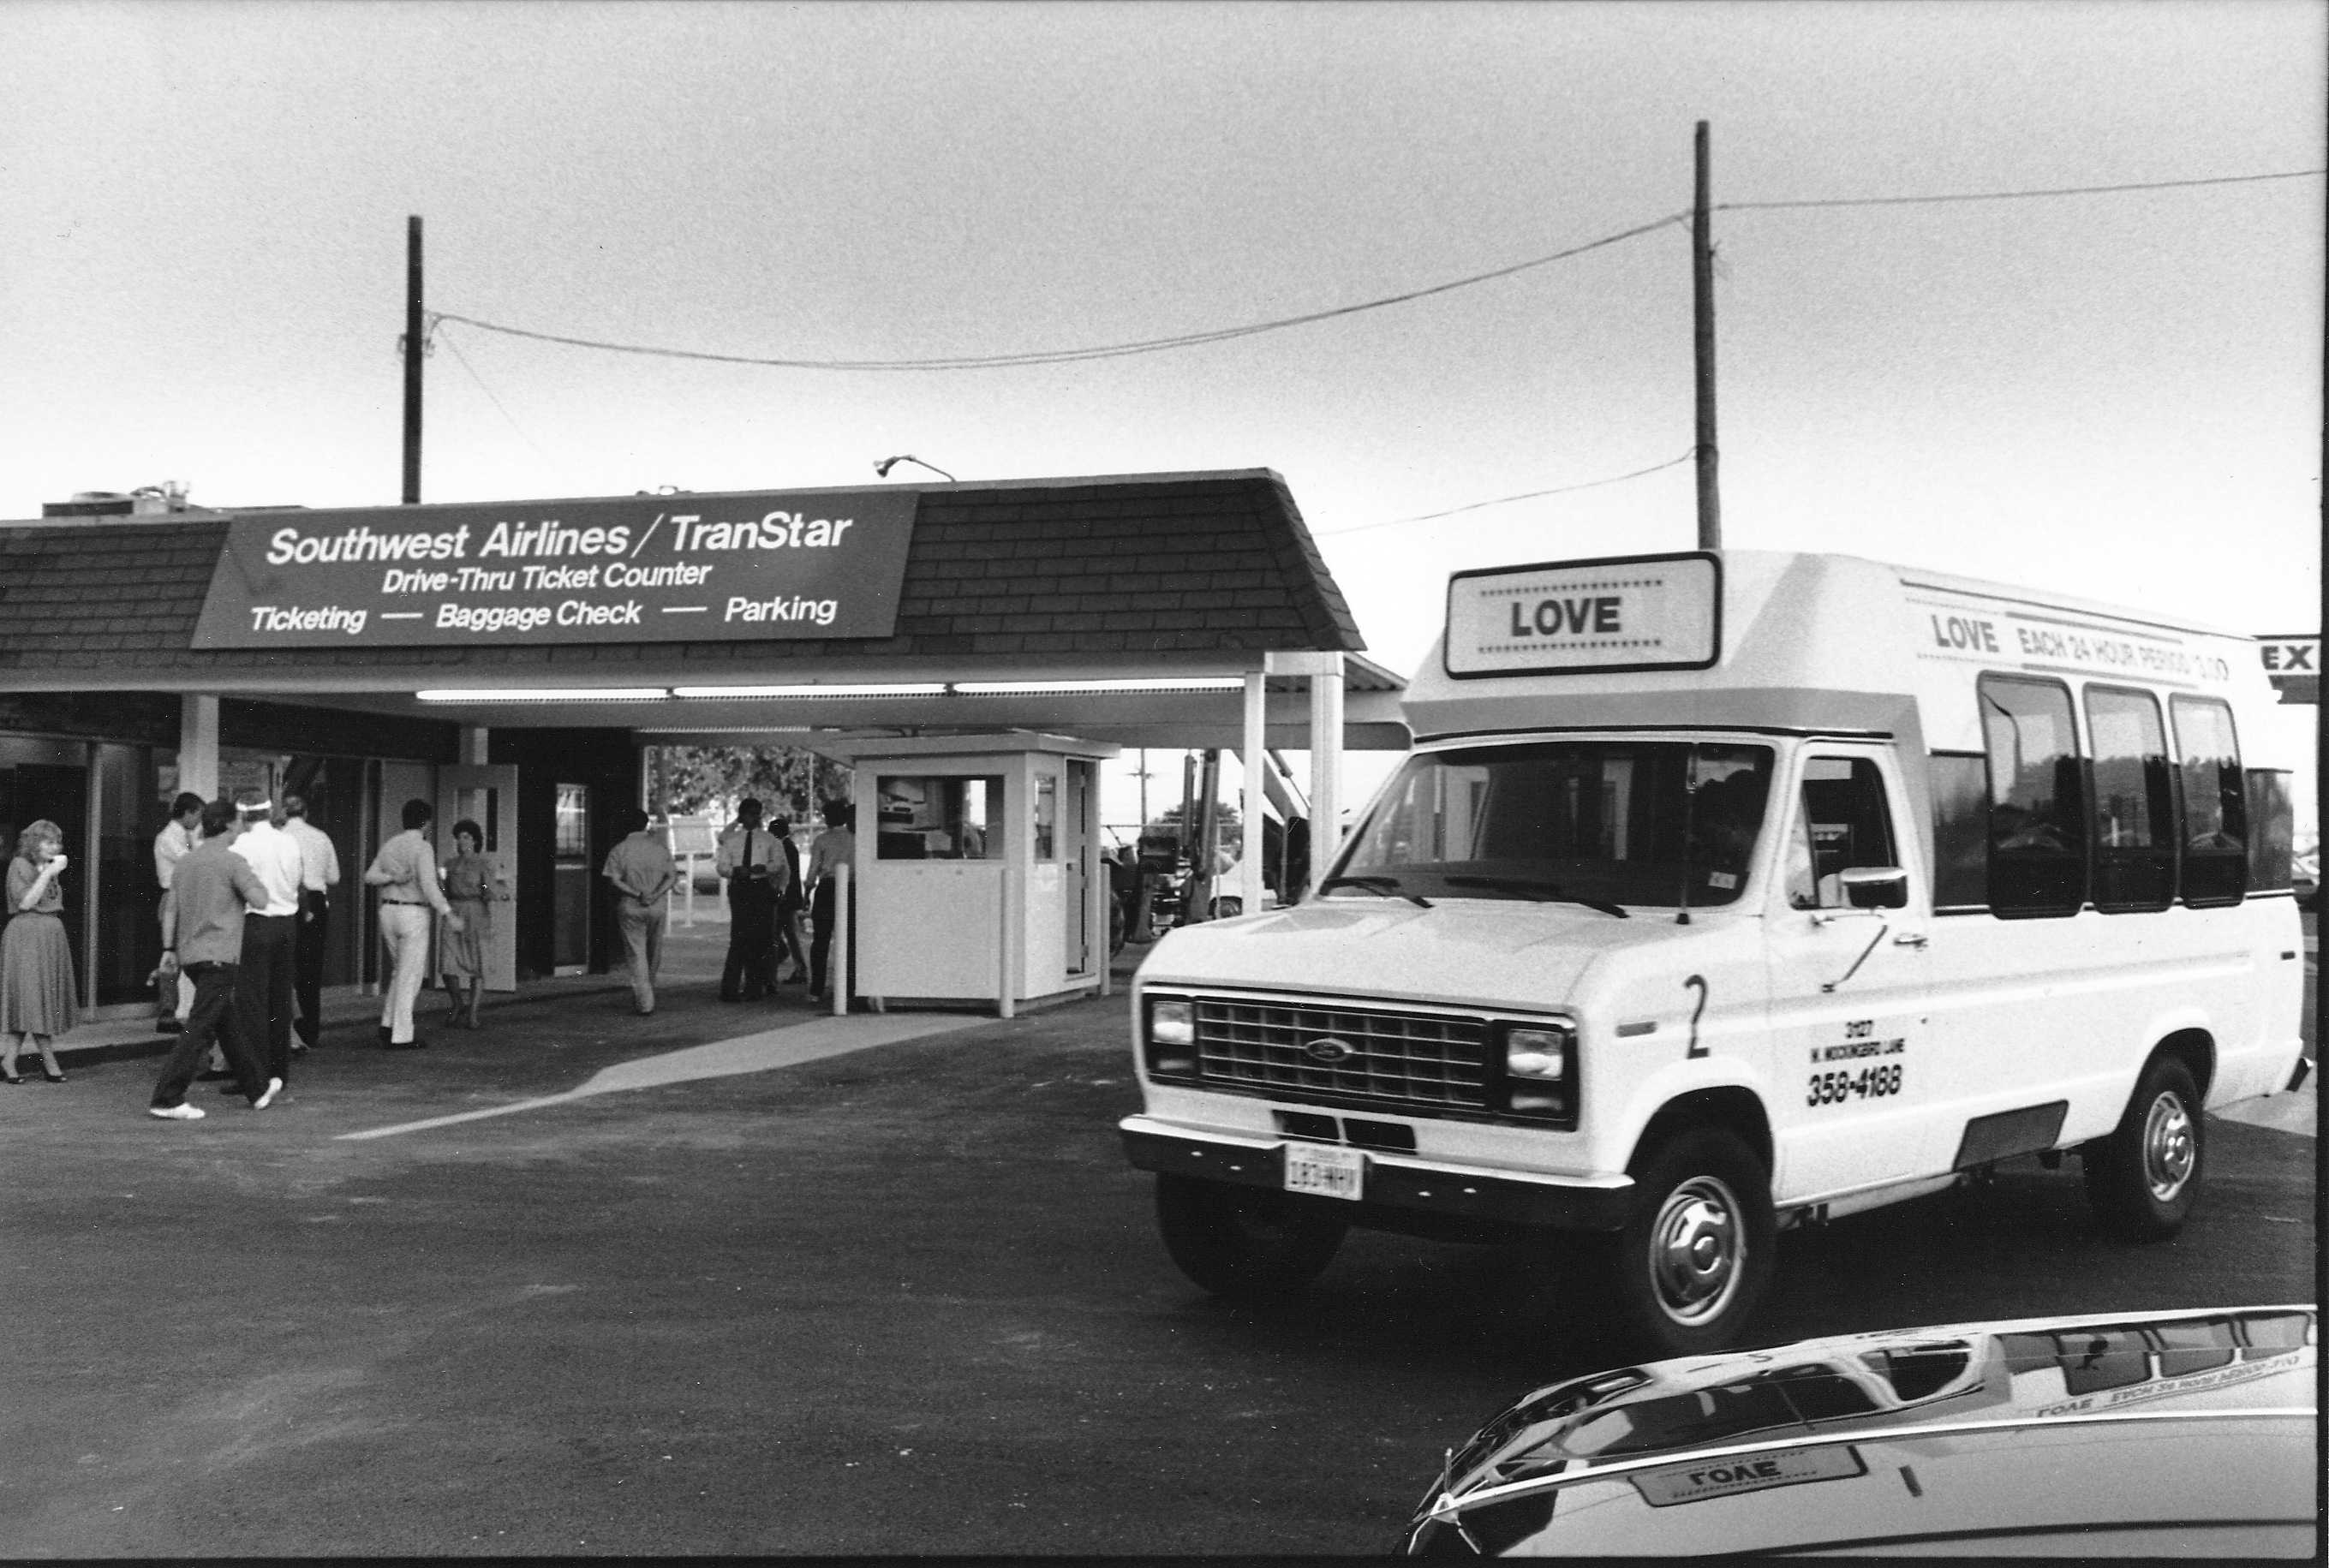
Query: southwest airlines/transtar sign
[(661, 568)]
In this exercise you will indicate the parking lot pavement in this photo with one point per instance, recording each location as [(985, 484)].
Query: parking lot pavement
[(769, 1298)]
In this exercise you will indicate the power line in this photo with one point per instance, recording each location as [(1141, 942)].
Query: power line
[(1071, 356), (2013, 195), (1507, 499), (435, 336), (1226, 334)]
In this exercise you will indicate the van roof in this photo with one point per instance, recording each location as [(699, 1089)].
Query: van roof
[(1841, 645)]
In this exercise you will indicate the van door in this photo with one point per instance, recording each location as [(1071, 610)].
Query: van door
[(1853, 1098)]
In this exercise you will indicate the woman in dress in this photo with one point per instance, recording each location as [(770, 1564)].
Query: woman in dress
[(36, 976), (469, 889)]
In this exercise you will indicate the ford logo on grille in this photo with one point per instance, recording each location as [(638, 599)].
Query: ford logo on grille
[(1329, 1050)]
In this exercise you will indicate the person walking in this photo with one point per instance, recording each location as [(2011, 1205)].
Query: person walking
[(37, 998), (834, 848), (268, 973), (405, 872), (172, 995), (750, 864), (319, 873), (469, 891), (204, 941), (642, 872)]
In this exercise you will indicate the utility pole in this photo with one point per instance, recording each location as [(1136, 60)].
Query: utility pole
[(1702, 271), (415, 344)]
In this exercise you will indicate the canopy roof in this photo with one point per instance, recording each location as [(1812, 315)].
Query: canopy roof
[(1148, 577)]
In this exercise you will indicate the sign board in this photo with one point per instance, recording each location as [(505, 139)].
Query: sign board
[(648, 569), (1982, 630), (2294, 664), (1573, 617)]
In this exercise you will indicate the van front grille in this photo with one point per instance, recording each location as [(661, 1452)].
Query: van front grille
[(1304, 1049)]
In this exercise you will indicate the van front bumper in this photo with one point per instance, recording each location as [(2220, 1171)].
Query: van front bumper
[(1393, 1181)]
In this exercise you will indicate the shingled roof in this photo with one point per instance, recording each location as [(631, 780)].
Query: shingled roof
[(1125, 573)]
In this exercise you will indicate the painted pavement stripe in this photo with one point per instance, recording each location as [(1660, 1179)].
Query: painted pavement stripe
[(757, 1053)]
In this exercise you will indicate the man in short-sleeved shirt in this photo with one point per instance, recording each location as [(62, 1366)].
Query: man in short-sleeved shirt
[(174, 994), (271, 937), (319, 873), (641, 871), (204, 940)]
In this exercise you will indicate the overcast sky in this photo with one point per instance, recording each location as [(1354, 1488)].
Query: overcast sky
[(2117, 395)]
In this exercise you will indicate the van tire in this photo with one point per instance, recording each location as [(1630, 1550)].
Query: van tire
[(1243, 1243), (2143, 1177), (1693, 1261)]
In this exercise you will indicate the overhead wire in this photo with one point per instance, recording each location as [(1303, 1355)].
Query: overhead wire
[(1076, 355), (1507, 499), (434, 335), (1250, 329)]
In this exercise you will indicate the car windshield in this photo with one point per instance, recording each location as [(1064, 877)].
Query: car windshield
[(1623, 822)]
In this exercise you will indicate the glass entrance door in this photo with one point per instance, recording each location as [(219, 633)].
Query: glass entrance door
[(570, 877)]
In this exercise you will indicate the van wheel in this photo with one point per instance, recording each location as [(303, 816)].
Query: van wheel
[(2144, 1176), (1693, 1261), (1243, 1243)]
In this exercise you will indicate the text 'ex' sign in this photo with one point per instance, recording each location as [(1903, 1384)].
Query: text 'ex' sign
[(650, 568)]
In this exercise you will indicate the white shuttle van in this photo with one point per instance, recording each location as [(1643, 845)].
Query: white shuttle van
[(1724, 892)]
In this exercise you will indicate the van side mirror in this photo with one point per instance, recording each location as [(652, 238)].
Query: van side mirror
[(1875, 887)]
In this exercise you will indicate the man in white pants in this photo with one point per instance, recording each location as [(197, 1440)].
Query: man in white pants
[(405, 872)]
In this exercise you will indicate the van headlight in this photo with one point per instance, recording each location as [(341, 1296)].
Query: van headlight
[(1539, 1069), (1171, 1037)]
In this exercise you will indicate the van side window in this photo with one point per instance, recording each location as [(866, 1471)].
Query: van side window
[(2272, 845), (1960, 785), (1842, 823), (2215, 801), (2037, 798), (2134, 801)]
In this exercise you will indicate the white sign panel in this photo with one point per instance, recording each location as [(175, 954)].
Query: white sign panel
[(1570, 618), (2291, 655)]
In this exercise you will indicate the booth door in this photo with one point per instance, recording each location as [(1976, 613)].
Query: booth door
[(487, 796), (1076, 840)]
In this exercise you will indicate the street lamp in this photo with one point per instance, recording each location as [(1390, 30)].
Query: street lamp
[(882, 468)]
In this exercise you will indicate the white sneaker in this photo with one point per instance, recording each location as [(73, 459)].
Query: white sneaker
[(274, 1087), (178, 1113)]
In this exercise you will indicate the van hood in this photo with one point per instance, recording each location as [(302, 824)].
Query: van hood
[(1459, 950)]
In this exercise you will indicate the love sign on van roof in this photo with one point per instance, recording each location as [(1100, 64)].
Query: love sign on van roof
[(1635, 613)]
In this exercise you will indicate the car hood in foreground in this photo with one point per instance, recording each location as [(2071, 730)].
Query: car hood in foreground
[(2179, 1433)]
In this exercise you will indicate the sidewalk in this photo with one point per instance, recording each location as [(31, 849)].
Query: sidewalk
[(686, 996)]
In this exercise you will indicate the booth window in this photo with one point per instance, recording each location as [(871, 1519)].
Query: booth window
[(2037, 798), (1960, 786), (939, 818), (1047, 816), (2134, 801), (2215, 803)]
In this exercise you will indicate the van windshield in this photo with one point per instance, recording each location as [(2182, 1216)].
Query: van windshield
[(1629, 822)]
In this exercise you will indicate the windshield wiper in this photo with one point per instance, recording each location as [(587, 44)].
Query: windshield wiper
[(1388, 887), (1541, 891)]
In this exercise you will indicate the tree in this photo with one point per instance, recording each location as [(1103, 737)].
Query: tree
[(790, 781)]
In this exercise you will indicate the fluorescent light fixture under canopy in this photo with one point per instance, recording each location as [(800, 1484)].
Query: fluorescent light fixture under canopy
[(548, 694), (925, 689)]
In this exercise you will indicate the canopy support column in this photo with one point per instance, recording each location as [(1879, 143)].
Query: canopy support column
[(1326, 673), (1252, 800), (198, 746)]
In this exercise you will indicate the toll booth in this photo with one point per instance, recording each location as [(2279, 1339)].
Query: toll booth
[(976, 877)]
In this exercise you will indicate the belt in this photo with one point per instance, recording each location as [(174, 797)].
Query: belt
[(415, 903)]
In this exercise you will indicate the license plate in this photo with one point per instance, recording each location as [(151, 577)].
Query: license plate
[(1324, 1172)]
